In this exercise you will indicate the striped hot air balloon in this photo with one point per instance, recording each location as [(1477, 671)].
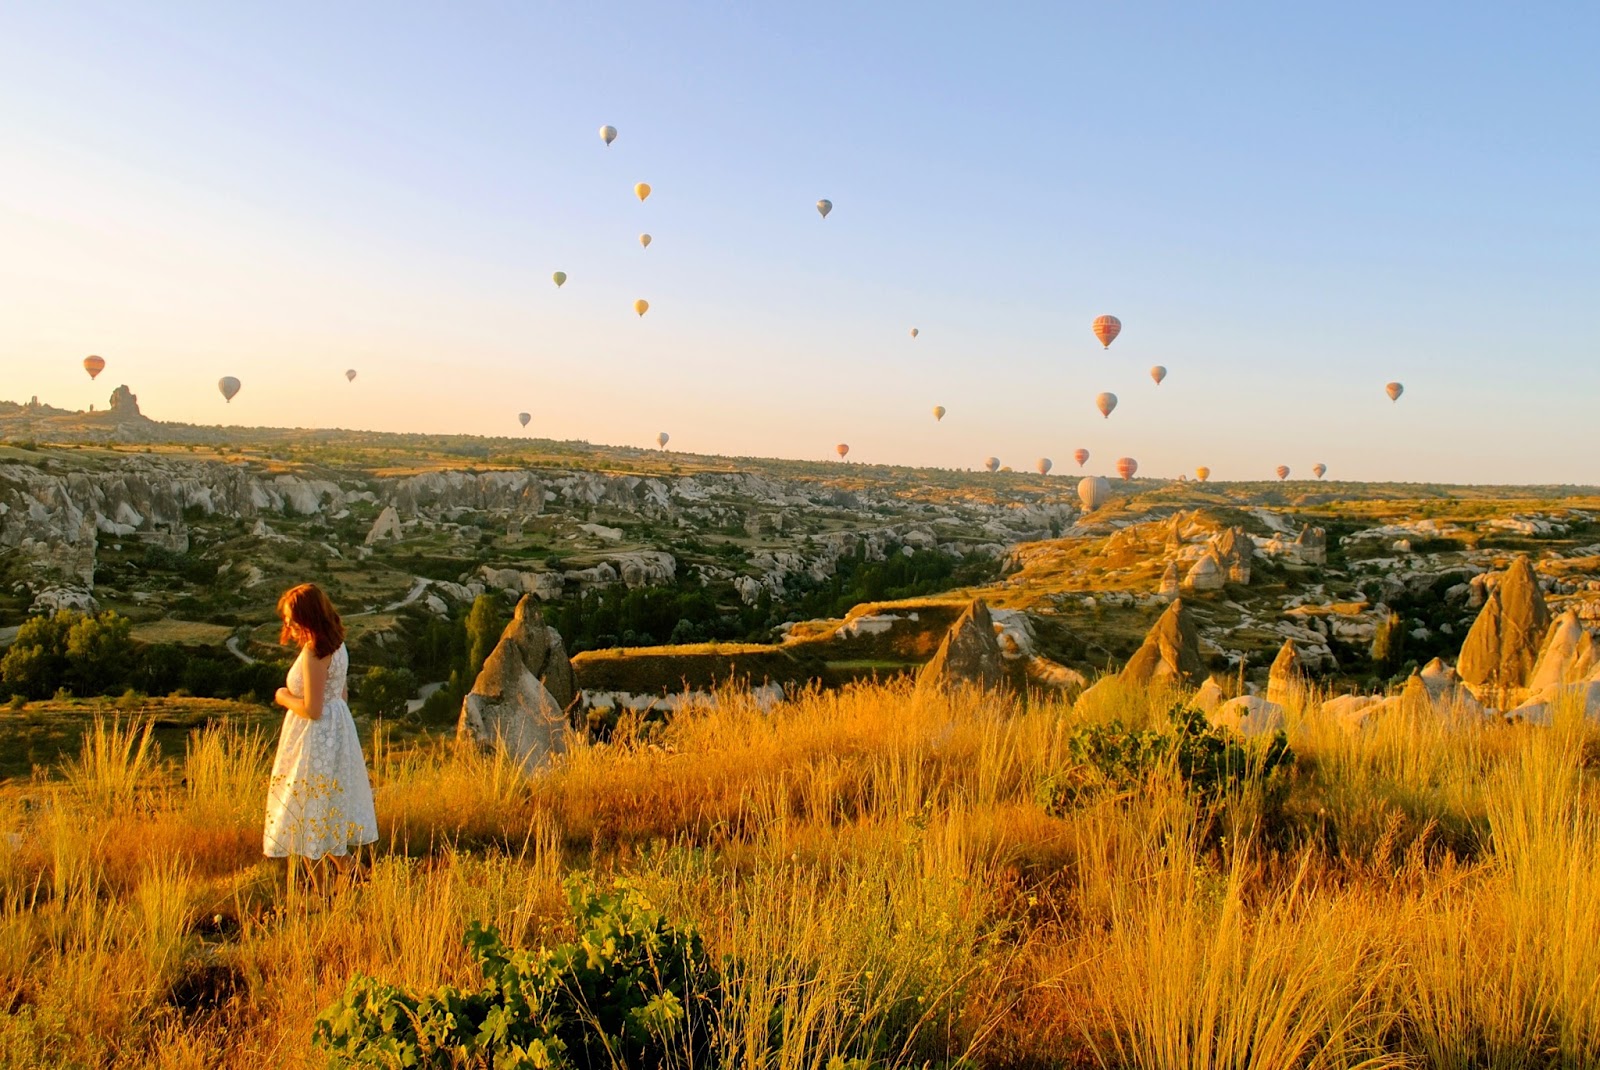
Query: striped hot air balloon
[(1105, 402), (1127, 467), (1283, 471), (1319, 470), (1081, 456), (1106, 328), (94, 366)]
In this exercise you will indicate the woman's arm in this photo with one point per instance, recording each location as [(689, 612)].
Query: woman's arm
[(316, 682)]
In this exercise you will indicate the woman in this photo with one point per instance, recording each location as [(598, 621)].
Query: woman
[(320, 800)]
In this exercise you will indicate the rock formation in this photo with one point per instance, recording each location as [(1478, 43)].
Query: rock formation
[(124, 403), (1248, 715), (1209, 697), (1498, 656), (522, 694), (1566, 656), (1171, 651), (1287, 679), (1234, 550), (1207, 574), (1311, 545), (387, 526), (970, 653), (1169, 582)]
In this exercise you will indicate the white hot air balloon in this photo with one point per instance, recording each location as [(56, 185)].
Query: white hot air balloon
[(1106, 403), (524, 417), (1044, 464), (1093, 492), (229, 387), (992, 464), (608, 134), (662, 439), (824, 207)]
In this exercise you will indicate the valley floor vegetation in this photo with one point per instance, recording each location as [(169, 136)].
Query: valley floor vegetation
[(869, 877)]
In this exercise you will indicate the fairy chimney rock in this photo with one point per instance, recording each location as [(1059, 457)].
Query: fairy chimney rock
[(1171, 651), (1288, 675), (1234, 549), (1566, 656), (1500, 651), (970, 653), (1311, 545), (522, 694), (387, 526), (1169, 582), (1207, 574)]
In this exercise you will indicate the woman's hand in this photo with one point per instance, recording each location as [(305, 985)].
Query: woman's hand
[(286, 699)]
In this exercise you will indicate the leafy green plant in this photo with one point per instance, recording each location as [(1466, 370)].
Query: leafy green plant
[(1112, 758), (630, 990)]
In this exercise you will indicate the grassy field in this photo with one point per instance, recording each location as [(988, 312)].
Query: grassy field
[(889, 880)]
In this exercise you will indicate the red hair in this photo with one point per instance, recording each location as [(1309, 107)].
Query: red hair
[(309, 617)]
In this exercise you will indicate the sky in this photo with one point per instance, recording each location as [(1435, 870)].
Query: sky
[(1287, 205)]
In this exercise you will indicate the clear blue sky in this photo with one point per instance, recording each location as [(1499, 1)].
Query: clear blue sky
[(1287, 205)]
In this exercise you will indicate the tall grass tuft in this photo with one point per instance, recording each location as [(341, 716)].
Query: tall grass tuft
[(114, 762)]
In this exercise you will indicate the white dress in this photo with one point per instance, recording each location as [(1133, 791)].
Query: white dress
[(320, 800)]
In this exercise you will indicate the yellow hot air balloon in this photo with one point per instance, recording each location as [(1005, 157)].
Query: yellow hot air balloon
[(1319, 470), (229, 387), (644, 240), (1044, 464), (1202, 473), (915, 332), (1093, 492), (992, 463), (1126, 467), (94, 366), (824, 206), (938, 412), (662, 439), (1158, 373), (524, 417), (350, 374), (641, 306), (641, 190), (608, 134), (841, 449), (1394, 390), (1105, 403), (1081, 456), (560, 277), (1283, 471), (1106, 328)]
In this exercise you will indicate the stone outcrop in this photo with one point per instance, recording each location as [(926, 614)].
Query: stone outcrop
[(1209, 697), (125, 404), (1234, 550), (970, 654), (1170, 582), (1566, 656), (1287, 680), (523, 692), (1498, 656), (387, 526), (1311, 545), (1249, 716), (1171, 650), (1207, 574)]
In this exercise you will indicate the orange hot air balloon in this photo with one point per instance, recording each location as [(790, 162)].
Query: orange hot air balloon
[(1158, 373), (915, 332), (1126, 467), (1105, 403), (1394, 390), (1202, 473), (642, 190), (938, 413), (841, 449), (641, 306), (1044, 464), (94, 365), (1081, 456), (1106, 328), (1283, 471), (1319, 470)]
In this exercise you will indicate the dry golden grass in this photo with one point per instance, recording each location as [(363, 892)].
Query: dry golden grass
[(878, 864)]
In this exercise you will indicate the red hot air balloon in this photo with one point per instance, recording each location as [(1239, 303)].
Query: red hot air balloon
[(1106, 328), (94, 366), (1283, 471), (841, 449), (1081, 456), (1394, 390), (1126, 467)]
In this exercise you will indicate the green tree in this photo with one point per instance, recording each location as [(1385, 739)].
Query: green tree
[(1389, 644), (99, 654), (385, 692), (484, 625)]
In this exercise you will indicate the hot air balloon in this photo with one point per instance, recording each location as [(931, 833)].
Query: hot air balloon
[(1105, 403), (524, 417), (1394, 390), (641, 190), (915, 332), (824, 206), (641, 306), (608, 134), (1093, 492), (1081, 456), (1126, 467), (992, 463), (644, 240), (1158, 373), (1319, 470), (938, 412), (559, 277), (350, 374), (1283, 471), (94, 366), (1106, 328), (841, 449), (1044, 464), (662, 438), (229, 387), (1202, 473)]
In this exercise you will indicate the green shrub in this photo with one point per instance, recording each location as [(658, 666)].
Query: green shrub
[(385, 692), (630, 990)]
